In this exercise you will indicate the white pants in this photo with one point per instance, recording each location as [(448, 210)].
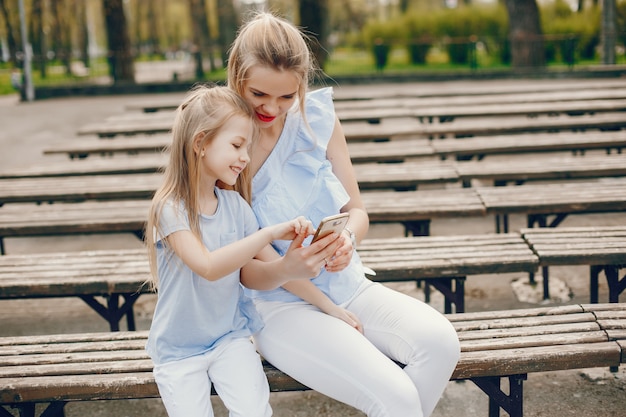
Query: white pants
[(233, 367), (329, 356)]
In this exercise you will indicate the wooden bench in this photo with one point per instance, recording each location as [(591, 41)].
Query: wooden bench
[(136, 164), (79, 149), (401, 176), (110, 281), (547, 205), (53, 370), (441, 114), (413, 209), (380, 151), (521, 170), (602, 248), (426, 95), (407, 126)]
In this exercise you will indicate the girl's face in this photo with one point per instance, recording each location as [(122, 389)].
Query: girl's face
[(227, 154), (271, 93)]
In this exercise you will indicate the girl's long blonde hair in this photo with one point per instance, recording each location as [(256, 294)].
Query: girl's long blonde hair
[(202, 114), (270, 41)]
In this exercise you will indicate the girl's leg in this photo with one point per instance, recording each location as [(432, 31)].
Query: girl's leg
[(237, 373), (411, 332), (334, 359), (185, 387)]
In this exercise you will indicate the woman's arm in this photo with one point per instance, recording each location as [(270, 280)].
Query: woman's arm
[(338, 155), (269, 267)]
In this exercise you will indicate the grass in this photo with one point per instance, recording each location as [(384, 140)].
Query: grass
[(343, 62)]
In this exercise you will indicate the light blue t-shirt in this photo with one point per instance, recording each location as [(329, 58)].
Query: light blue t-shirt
[(297, 180), (193, 315)]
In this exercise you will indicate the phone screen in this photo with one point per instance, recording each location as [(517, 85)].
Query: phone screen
[(331, 224)]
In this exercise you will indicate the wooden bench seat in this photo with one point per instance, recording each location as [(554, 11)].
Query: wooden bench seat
[(547, 205), (413, 209), (401, 176), (79, 149), (519, 171), (387, 150), (109, 281), (576, 142), (442, 113), (118, 275), (499, 345), (422, 95), (148, 163), (400, 126), (602, 248), (444, 262)]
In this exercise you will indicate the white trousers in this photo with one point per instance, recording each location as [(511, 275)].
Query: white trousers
[(329, 356), (233, 367)]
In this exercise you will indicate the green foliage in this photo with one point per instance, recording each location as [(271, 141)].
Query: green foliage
[(570, 36)]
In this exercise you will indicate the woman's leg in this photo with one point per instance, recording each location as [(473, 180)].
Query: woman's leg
[(239, 379), (411, 332), (334, 359)]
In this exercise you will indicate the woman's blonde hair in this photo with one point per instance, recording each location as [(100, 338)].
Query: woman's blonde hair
[(270, 41), (202, 114)]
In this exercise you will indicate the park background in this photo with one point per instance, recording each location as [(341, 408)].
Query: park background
[(74, 45)]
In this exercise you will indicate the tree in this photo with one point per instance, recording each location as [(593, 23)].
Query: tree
[(37, 36), (525, 34), (227, 27), (313, 18), (609, 32), (119, 52), (12, 40)]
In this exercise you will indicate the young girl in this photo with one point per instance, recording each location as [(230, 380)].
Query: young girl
[(199, 236), (301, 166)]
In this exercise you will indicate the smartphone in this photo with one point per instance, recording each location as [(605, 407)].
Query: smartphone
[(331, 224)]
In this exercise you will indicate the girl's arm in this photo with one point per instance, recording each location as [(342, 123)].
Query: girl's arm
[(213, 265), (269, 265), (338, 155)]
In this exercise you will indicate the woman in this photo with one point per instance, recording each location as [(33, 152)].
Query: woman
[(338, 333)]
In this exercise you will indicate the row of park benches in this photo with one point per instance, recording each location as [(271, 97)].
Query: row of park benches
[(105, 181), (542, 204), (496, 346), (501, 345), (110, 281), (476, 147)]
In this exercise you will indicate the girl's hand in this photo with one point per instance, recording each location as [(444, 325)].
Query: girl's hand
[(307, 261), (299, 226), (347, 316), (342, 256)]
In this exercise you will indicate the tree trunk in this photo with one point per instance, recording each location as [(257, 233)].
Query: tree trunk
[(525, 34), (313, 19), (228, 22), (37, 36), (119, 54), (609, 33), (11, 38), (83, 32)]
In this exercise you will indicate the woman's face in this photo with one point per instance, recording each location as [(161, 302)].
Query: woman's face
[(271, 93)]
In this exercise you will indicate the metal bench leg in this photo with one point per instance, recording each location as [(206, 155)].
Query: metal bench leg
[(1, 245), (113, 313), (616, 284), (453, 294), (594, 271), (54, 409), (417, 228), (504, 220), (511, 403)]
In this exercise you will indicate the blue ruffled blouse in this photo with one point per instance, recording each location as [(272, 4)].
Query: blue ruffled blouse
[(297, 180)]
